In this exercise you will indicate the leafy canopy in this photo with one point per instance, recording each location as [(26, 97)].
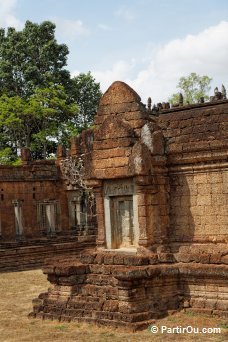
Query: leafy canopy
[(31, 58), (86, 93), (39, 122), (40, 105), (192, 87)]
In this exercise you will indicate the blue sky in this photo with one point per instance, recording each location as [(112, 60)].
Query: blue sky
[(147, 43)]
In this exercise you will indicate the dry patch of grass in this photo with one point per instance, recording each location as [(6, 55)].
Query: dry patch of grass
[(17, 290)]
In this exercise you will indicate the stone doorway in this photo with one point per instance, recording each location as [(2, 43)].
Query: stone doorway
[(122, 223)]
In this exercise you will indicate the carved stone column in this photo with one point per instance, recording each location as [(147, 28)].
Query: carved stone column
[(96, 185), (18, 217), (50, 212)]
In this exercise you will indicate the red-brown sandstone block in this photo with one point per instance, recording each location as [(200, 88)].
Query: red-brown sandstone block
[(103, 315), (119, 92), (100, 207), (142, 222), (166, 257), (118, 260), (142, 210), (204, 189), (219, 199), (110, 305), (197, 303), (120, 108), (153, 259), (113, 128), (204, 200), (215, 177), (95, 268), (72, 279), (221, 313), (173, 124), (135, 260), (113, 143), (111, 162), (99, 259), (224, 259), (215, 258), (135, 115), (222, 305), (108, 259), (137, 124), (100, 220), (87, 258), (175, 147), (204, 258), (111, 173), (48, 269), (112, 153), (65, 270)]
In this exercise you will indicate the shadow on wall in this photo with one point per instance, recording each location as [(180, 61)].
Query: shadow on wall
[(183, 200), (198, 221)]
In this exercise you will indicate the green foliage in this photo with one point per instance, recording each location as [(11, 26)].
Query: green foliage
[(192, 87), (224, 325), (39, 122), (7, 157), (61, 327), (31, 58), (86, 93), (40, 105)]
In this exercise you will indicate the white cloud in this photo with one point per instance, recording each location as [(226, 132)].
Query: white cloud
[(119, 72), (7, 14), (70, 29), (104, 27), (75, 73), (205, 53), (125, 13)]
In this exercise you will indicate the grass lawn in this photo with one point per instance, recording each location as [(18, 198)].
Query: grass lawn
[(17, 289)]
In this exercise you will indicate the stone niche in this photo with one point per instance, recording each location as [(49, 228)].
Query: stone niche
[(120, 211), (136, 273)]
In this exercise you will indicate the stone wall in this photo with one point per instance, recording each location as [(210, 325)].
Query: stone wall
[(30, 185), (196, 128), (37, 216), (196, 147), (198, 207), (19, 257)]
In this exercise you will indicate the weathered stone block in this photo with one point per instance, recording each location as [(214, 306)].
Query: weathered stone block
[(111, 162)]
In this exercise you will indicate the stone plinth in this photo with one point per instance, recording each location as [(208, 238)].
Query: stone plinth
[(120, 289)]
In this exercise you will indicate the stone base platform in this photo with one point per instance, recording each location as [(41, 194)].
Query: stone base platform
[(28, 255), (131, 291)]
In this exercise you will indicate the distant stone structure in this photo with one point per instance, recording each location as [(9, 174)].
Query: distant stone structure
[(40, 214), (160, 183)]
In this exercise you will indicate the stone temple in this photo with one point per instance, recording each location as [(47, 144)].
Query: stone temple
[(160, 183)]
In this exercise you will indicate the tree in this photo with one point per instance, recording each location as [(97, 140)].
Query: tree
[(31, 58), (193, 88), (7, 157), (40, 122), (54, 118), (40, 105), (86, 93)]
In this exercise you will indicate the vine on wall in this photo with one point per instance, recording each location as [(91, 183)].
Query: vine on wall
[(73, 171)]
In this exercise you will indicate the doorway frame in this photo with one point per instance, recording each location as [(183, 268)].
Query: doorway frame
[(119, 187)]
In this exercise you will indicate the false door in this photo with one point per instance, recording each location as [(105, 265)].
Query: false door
[(122, 223)]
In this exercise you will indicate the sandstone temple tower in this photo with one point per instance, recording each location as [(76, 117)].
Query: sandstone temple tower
[(160, 184)]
